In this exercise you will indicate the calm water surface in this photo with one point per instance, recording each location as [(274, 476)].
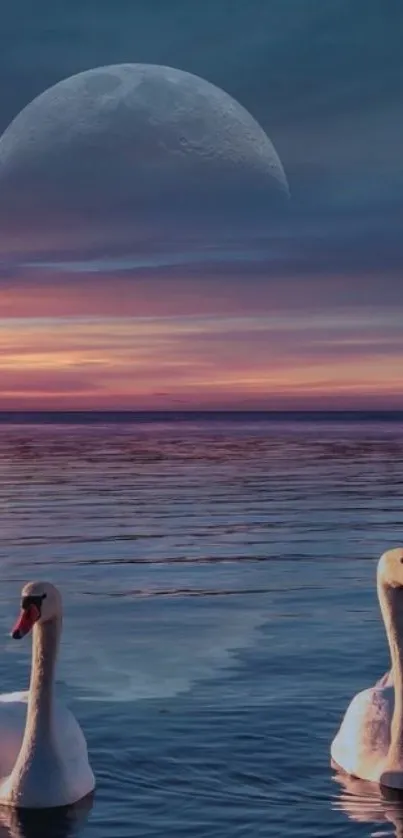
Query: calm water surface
[(220, 611)]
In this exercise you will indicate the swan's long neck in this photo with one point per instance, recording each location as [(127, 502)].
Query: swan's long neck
[(38, 757), (45, 646), (391, 602)]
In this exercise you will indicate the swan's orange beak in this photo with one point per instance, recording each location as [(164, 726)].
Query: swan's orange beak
[(25, 622)]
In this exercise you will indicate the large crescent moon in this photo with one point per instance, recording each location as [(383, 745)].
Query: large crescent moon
[(136, 139)]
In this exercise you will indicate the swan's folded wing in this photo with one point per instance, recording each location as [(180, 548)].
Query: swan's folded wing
[(13, 712), (73, 749), (362, 742)]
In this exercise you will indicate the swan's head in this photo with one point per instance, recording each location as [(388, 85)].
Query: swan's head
[(390, 568), (40, 602)]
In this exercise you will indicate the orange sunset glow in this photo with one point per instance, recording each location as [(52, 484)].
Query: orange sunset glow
[(181, 345)]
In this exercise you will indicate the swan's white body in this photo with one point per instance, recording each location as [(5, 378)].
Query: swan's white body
[(362, 743), (369, 743), (43, 752)]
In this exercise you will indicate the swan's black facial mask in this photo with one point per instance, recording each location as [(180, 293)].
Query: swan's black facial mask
[(32, 600), (31, 607)]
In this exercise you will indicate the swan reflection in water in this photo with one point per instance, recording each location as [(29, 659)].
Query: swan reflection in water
[(63, 822), (365, 802)]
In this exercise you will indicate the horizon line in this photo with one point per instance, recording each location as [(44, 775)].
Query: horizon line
[(189, 413)]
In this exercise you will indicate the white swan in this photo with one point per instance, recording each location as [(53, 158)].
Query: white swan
[(43, 752), (369, 744)]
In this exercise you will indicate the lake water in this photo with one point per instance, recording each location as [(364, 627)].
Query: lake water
[(220, 611)]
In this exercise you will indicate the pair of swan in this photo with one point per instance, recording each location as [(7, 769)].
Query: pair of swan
[(43, 752)]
